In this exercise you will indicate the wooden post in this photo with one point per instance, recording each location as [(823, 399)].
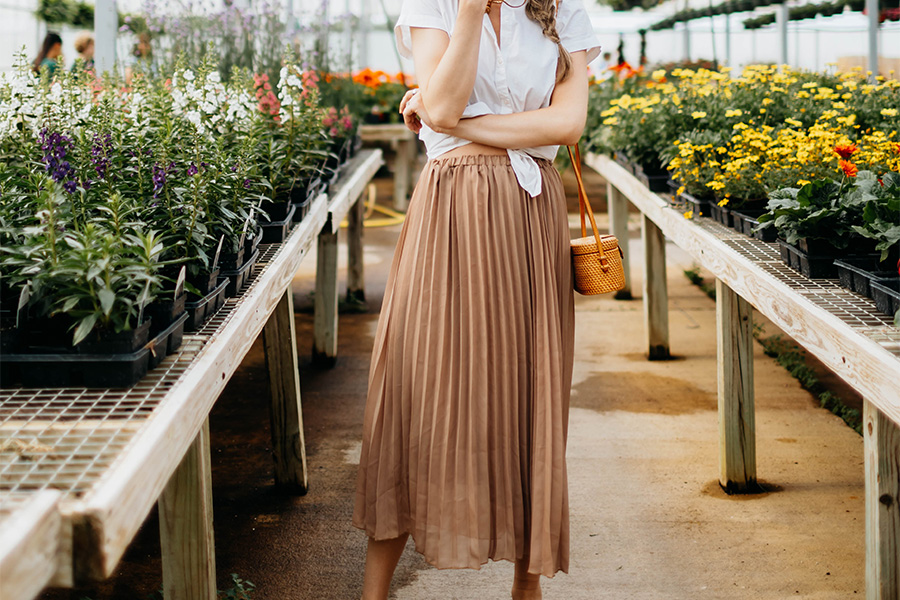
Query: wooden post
[(882, 450), (288, 445), (656, 294), (326, 302), (403, 168), (618, 224), (737, 429), (186, 526), (356, 292)]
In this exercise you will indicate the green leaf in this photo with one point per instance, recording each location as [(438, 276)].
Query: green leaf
[(85, 326), (107, 299)]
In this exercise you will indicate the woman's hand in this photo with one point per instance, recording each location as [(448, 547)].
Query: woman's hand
[(414, 114)]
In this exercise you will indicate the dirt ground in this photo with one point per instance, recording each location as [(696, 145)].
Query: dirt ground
[(648, 518)]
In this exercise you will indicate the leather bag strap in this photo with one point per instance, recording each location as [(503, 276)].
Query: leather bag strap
[(584, 204)]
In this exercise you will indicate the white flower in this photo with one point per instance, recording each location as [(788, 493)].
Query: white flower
[(294, 81), (188, 75), (214, 77), (194, 117)]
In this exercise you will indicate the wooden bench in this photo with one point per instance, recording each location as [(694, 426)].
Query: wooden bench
[(405, 143), (114, 453), (840, 328)]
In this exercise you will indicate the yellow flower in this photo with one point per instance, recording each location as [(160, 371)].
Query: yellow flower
[(793, 122), (802, 182), (698, 114), (889, 112), (611, 121), (723, 201), (767, 101), (647, 110), (740, 126), (680, 190), (716, 185), (689, 214), (734, 113), (762, 111), (658, 74)]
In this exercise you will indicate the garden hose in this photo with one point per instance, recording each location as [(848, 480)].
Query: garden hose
[(393, 217)]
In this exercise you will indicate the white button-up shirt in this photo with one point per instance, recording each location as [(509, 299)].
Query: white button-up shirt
[(515, 75)]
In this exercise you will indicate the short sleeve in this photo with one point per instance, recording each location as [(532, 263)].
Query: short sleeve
[(419, 13), (575, 29)]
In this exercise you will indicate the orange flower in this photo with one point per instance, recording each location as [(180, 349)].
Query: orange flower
[(848, 168), (897, 148), (845, 151)]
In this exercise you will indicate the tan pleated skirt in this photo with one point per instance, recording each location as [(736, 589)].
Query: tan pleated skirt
[(464, 439)]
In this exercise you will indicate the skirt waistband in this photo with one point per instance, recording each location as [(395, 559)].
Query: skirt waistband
[(494, 160)]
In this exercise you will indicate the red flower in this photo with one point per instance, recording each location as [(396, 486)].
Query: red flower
[(897, 148), (845, 151), (848, 168)]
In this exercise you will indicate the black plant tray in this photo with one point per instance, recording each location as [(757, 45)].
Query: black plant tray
[(721, 214), (232, 262), (74, 370), (812, 266), (167, 341), (856, 273), (200, 310), (276, 231), (623, 160), (656, 183), (698, 206), (887, 296), (278, 210), (116, 343), (238, 277), (746, 221)]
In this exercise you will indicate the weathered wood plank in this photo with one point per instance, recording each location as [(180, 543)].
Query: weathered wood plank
[(656, 291), (288, 444), (618, 225), (737, 429), (385, 133), (356, 288), (325, 321), (869, 368), (186, 526), (882, 449), (344, 195), (29, 546)]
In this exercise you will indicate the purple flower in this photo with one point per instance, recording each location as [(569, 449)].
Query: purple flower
[(55, 147), (247, 184), (192, 170), (100, 151)]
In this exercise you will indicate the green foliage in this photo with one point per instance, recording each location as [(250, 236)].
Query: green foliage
[(71, 12), (881, 210)]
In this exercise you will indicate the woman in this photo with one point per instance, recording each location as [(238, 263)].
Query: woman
[(48, 57), (84, 46), (465, 424)]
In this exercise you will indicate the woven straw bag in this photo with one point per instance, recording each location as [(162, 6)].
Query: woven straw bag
[(597, 259)]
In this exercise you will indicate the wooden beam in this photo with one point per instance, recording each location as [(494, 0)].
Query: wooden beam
[(356, 292), (29, 543), (882, 457), (656, 293), (618, 225), (288, 444), (325, 322), (186, 526), (737, 429)]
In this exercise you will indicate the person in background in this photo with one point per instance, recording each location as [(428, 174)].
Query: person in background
[(50, 52), (84, 45), (142, 52)]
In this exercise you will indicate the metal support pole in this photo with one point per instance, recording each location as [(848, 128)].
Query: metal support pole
[(106, 27), (686, 42), (728, 40), (781, 21), (872, 14), (365, 24)]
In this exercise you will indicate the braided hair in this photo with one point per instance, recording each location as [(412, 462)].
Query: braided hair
[(543, 12)]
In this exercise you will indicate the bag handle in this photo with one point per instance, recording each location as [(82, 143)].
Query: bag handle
[(584, 205)]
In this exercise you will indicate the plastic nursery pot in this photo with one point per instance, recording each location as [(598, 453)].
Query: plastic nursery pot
[(808, 265), (48, 334), (698, 206), (199, 310), (238, 277), (621, 158), (252, 241), (816, 247), (166, 341), (110, 342), (231, 262), (278, 209), (276, 231), (164, 310), (747, 222), (205, 281), (858, 273)]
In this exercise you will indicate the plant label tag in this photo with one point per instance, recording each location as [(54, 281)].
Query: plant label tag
[(24, 297), (244, 232), (218, 253), (179, 283)]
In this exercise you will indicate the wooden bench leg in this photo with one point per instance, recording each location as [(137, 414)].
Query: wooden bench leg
[(737, 429), (288, 445), (618, 224), (656, 293), (402, 173), (186, 526), (882, 449), (356, 292), (326, 301)]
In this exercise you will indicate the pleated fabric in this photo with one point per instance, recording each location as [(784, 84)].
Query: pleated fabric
[(466, 418)]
